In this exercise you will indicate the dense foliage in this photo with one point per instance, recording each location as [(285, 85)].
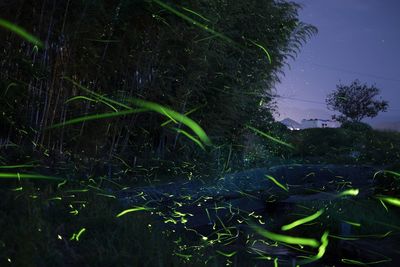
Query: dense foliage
[(141, 49)]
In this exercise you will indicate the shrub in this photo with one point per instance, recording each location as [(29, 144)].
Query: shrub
[(356, 126)]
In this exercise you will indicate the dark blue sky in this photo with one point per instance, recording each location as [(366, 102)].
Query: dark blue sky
[(356, 39)]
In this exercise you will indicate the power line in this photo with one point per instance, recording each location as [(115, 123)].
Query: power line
[(351, 71), (301, 100)]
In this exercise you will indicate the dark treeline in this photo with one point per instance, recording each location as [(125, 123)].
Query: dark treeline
[(136, 48)]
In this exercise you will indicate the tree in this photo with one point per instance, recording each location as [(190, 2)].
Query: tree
[(356, 101), (216, 68)]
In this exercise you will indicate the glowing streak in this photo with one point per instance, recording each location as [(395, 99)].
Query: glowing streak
[(132, 210), (97, 117), (106, 195), (286, 239), (195, 13), (166, 114), (344, 238), (277, 183), (394, 173), (123, 161), (16, 166), (17, 189), (91, 100), (77, 191), (302, 221), (78, 235), (98, 96), (263, 49), (390, 200), (194, 22), (384, 205), (355, 237), (187, 113), (27, 176), (61, 184), (360, 263), (74, 212), (173, 114), (21, 32), (270, 137), (321, 249), (170, 220), (186, 257), (55, 198), (191, 137), (349, 192), (208, 215), (228, 255), (103, 41), (353, 223), (386, 171)]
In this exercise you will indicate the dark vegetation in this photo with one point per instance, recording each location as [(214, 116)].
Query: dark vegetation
[(354, 144), (219, 70), (356, 102), (139, 49)]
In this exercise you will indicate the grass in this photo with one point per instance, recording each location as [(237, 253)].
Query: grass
[(79, 222), (42, 231)]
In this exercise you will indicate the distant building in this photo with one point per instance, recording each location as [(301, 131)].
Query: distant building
[(291, 124), (311, 123), (318, 123)]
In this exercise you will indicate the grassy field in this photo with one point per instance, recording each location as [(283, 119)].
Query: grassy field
[(74, 222)]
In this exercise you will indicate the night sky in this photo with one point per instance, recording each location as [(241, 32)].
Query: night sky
[(357, 39)]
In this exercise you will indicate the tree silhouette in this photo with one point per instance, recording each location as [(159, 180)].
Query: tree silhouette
[(355, 102)]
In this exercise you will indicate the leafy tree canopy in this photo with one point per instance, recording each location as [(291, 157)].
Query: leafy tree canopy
[(355, 102), (217, 60)]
